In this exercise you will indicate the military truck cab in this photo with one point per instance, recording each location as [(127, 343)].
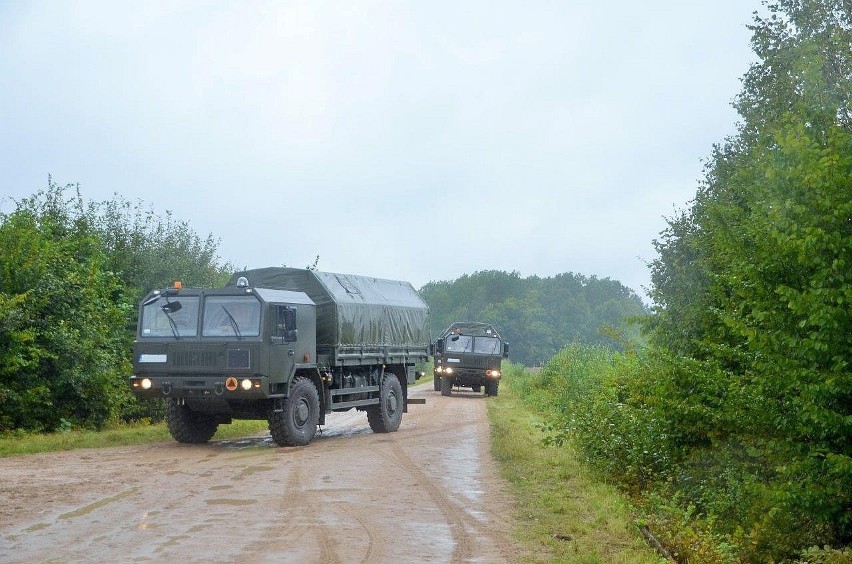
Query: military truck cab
[(469, 354)]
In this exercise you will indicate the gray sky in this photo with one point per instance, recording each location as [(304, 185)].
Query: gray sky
[(407, 140)]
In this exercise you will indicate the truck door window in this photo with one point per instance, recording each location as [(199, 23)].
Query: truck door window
[(285, 323)]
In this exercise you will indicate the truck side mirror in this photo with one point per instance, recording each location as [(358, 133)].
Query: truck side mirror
[(439, 346), (505, 350), (171, 307)]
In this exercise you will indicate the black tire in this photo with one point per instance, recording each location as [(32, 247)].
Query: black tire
[(491, 388), (187, 426), (436, 382), (296, 423), (387, 415), (446, 386)]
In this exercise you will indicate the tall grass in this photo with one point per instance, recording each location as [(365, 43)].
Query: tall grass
[(564, 514)]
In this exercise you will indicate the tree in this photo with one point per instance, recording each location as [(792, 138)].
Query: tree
[(71, 275), (755, 279), (62, 351)]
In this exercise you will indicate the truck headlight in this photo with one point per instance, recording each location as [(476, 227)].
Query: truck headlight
[(146, 383), (495, 373), (246, 384), (448, 370)]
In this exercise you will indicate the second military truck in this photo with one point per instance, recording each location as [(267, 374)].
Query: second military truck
[(469, 354), (283, 344)]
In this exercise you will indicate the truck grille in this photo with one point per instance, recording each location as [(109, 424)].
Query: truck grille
[(239, 358), (194, 358)]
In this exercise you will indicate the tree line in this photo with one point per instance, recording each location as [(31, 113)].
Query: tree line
[(537, 316)]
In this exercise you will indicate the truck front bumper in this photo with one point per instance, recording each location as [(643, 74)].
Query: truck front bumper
[(195, 386)]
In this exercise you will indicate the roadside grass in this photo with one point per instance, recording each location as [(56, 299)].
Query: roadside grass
[(13, 444), (563, 513)]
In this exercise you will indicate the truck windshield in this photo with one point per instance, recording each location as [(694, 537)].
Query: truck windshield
[(170, 317), (459, 344), (231, 316), (475, 345), (486, 345)]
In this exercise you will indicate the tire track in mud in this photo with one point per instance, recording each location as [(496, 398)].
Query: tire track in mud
[(374, 547), (296, 508), (456, 517)]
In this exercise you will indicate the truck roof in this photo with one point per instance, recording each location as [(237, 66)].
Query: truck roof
[(285, 296), (472, 328), (352, 309)]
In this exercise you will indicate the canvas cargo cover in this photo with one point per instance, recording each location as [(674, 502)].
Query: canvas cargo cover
[(472, 328), (351, 309)]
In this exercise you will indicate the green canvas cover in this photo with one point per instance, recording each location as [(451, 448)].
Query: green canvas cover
[(351, 309)]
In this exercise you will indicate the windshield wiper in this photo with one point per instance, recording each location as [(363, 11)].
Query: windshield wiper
[(233, 324), (172, 324)]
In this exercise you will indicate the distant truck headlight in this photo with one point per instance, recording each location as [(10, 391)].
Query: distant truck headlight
[(495, 373), (246, 384), (146, 383), (448, 370)]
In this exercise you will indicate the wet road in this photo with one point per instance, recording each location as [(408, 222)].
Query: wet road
[(427, 493)]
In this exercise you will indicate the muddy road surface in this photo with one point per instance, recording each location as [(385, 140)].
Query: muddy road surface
[(427, 493)]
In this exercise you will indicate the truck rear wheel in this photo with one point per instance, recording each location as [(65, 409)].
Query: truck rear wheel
[(386, 417), (295, 424), (446, 386), (187, 426)]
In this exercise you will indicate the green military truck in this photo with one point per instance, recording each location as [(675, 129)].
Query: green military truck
[(469, 354), (283, 344)]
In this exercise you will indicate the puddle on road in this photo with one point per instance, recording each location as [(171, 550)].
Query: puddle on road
[(97, 505), (249, 470), (234, 502)]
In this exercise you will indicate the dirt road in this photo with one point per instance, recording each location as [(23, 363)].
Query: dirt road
[(427, 493)]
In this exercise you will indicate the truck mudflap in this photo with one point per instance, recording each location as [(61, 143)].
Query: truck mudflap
[(415, 401)]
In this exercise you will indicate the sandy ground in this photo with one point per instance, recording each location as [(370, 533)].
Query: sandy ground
[(427, 493)]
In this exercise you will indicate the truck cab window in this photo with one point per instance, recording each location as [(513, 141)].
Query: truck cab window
[(231, 316), (285, 323), (175, 317)]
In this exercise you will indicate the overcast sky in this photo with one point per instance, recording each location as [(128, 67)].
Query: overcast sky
[(406, 140)]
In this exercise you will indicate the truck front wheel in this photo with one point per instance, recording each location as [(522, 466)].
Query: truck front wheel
[(295, 423), (491, 388), (187, 426), (446, 386), (386, 417)]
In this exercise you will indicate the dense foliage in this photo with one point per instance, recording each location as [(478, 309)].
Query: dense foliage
[(740, 412), (537, 316), (754, 281), (71, 274)]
